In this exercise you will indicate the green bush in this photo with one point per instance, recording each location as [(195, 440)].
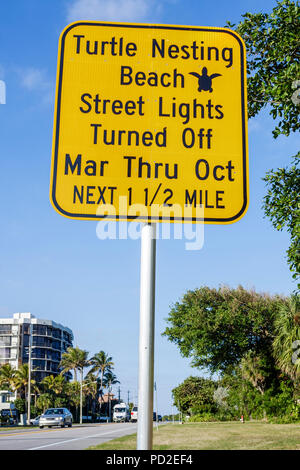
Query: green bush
[(206, 408), (202, 418), (20, 405), (293, 416)]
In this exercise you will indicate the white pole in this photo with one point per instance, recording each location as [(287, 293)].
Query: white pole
[(155, 389), (146, 342), (81, 373)]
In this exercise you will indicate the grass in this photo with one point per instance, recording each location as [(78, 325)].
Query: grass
[(216, 436)]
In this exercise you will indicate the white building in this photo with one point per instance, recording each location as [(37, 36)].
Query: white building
[(49, 341)]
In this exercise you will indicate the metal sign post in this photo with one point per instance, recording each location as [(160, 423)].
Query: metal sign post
[(146, 342)]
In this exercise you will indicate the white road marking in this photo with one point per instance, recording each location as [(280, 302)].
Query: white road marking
[(72, 440)]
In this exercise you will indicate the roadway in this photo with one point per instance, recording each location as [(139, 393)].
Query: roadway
[(75, 438)]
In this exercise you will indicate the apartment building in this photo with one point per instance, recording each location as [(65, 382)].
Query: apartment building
[(49, 341)]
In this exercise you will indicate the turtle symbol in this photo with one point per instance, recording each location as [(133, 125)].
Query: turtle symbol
[(204, 80)]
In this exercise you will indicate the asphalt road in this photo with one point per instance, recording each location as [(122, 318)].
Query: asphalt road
[(75, 438)]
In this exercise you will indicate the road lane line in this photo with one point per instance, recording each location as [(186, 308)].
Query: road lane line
[(72, 440), (20, 433)]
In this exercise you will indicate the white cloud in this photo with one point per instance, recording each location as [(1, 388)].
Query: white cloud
[(112, 10), (34, 79), (254, 125)]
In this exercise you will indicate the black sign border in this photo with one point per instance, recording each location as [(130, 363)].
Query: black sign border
[(160, 218)]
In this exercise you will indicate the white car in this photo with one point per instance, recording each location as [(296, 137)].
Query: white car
[(134, 414), (35, 421), (56, 417)]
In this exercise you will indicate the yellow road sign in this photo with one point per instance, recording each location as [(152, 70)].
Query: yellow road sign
[(150, 120)]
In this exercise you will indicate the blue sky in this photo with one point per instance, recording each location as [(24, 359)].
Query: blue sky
[(57, 268)]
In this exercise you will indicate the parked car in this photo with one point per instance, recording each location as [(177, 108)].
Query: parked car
[(56, 417), (134, 414), (35, 421)]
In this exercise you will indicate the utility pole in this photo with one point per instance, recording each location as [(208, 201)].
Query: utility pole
[(109, 402), (128, 392), (81, 377), (29, 375), (119, 394), (155, 389)]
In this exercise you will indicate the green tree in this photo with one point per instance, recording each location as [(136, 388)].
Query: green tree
[(74, 359), (7, 377), (54, 384), (21, 380), (243, 398), (273, 53), (44, 401), (286, 344), (73, 393), (110, 379), (90, 389), (101, 363), (20, 405), (282, 206), (216, 328), (195, 395)]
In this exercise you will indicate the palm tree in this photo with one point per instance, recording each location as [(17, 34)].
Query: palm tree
[(7, 377), (75, 359), (251, 371), (54, 383), (287, 335), (73, 391), (90, 387), (44, 401), (21, 379), (109, 379), (101, 363)]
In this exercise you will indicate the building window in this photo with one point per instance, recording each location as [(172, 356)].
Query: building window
[(39, 376), (5, 397), (56, 345), (5, 329), (67, 337), (25, 329), (39, 330), (41, 341), (4, 353), (56, 333), (38, 364), (55, 356), (5, 340)]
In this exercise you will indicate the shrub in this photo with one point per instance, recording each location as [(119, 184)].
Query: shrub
[(202, 418)]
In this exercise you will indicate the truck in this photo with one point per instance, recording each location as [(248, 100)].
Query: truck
[(121, 413)]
